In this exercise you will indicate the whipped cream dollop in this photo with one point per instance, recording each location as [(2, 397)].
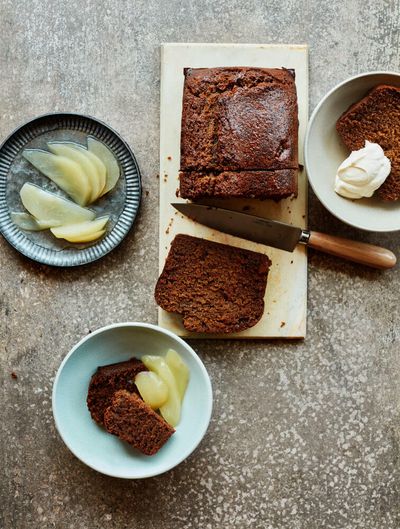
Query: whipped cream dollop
[(362, 172)]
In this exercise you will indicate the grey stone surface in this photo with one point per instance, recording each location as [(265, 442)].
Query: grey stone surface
[(305, 435)]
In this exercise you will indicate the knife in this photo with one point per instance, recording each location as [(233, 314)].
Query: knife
[(285, 236)]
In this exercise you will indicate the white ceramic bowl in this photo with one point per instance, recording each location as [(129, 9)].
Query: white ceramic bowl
[(324, 152), (91, 443)]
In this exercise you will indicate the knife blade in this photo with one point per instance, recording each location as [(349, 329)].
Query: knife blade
[(285, 236), (264, 231)]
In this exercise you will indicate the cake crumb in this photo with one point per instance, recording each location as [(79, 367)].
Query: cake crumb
[(169, 225), (14, 375), (283, 323)]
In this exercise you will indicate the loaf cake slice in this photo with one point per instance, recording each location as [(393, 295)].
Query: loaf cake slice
[(215, 287), (376, 118), (109, 379), (133, 421), (236, 121)]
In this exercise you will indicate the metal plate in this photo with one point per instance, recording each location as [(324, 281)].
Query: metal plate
[(122, 203)]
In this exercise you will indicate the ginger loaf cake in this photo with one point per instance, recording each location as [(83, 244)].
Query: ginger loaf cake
[(376, 118), (133, 421), (109, 379), (215, 287), (239, 134)]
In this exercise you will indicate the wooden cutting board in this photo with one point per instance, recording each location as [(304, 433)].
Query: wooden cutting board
[(286, 294)]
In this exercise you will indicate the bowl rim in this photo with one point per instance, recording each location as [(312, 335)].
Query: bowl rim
[(208, 406), (306, 144)]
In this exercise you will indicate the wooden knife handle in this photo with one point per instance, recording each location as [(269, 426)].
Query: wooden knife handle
[(359, 252)]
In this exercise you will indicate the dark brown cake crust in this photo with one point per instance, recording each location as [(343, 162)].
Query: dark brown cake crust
[(276, 184), (109, 379), (376, 118), (216, 288), (240, 120), (133, 421)]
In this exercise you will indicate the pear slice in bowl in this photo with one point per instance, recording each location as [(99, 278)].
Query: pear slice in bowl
[(171, 410), (179, 369)]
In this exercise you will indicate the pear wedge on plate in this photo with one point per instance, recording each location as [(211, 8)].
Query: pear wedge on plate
[(86, 238), (66, 173), (82, 231), (107, 157), (89, 168), (27, 222), (52, 209), (101, 168)]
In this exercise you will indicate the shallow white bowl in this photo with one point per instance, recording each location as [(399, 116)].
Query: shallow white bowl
[(324, 152), (92, 444)]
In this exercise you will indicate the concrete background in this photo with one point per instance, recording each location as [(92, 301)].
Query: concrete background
[(304, 435)]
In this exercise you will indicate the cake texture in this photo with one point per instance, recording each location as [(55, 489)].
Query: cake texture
[(236, 122), (235, 184), (216, 288), (133, 421), (109, 379), (376, 118)]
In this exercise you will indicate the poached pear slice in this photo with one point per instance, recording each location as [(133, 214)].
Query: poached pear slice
[(179, 369), (82, 231), (171, 410), (49, 208), (64, 172), (85, 238), (89, 168), (152, 389), (101, 168), (27, 222), (107, 157)]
